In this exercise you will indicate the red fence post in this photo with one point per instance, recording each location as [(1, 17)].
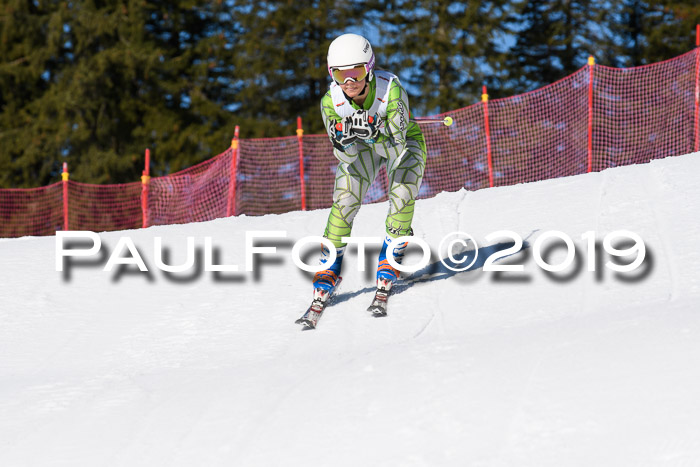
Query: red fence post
[(64, 177), (145, 179), (697, 87), (300, 135), (591, 64), (485, 100), (231, 206)]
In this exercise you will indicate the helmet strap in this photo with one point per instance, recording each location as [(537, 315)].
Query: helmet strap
[(360, 94), (365, 88)]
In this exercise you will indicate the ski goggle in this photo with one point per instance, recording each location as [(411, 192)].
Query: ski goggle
[(354, 73)]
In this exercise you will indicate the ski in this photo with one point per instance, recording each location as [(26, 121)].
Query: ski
[(378, 308), (322, 298)]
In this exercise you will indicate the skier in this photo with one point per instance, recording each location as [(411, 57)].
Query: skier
[(368, 120)]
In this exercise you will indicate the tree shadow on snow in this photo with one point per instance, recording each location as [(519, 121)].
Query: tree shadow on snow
[(439, 270)]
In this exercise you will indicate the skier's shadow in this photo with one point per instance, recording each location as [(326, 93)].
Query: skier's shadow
[(439, 270)]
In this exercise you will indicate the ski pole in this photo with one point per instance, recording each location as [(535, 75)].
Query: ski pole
[(447, 121)]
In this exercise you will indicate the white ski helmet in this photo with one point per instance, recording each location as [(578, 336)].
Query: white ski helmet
[(348, 51)]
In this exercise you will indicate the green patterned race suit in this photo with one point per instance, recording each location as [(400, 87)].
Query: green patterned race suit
[(400, 146)]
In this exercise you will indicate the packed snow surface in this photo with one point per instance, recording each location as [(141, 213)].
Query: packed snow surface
[(578, 367)]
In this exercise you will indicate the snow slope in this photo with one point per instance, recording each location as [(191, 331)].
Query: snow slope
[(576, 368)]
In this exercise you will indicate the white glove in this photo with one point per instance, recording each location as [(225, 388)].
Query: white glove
[(342, 135), (363, 126)]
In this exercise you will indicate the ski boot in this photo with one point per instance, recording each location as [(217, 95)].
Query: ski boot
[(386, 276), (327, 279), (325, 282)]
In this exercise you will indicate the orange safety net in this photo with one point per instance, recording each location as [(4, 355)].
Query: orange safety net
[(596, 118), (541, 134), (644, 113), (196, 194), (103, 207), (35, 211), (268, 176)]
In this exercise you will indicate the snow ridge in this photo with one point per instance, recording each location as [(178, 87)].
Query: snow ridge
[(479, 368)]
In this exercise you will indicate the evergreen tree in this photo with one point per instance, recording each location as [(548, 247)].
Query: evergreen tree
[(280, 62), (648, 32), (189, 84), (553, 39), (443, 51), (96, 82), (30, 53)]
